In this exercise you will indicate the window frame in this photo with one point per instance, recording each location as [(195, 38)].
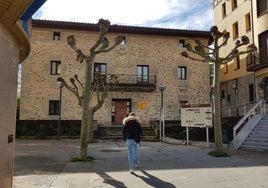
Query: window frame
[(56, 36), (234, 4), (182, 72), (143, 73), (55, 67), (248, 22), (235, 30), (181, 43), (55, 106), (261, 4), (237, 62), (223, 9)]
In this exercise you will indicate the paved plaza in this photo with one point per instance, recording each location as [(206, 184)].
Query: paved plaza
[(45, 164)]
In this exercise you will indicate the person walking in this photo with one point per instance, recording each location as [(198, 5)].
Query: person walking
[(131, 132)]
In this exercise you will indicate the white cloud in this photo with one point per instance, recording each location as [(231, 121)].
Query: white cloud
[(159, 13)]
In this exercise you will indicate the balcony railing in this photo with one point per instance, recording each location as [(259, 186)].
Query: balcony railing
[(256, 61), (129, 83)]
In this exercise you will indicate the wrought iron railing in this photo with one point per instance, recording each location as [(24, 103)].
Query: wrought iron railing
[(127, 82), (256, 61)]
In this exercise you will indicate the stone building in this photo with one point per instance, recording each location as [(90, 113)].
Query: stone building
[(15, 16), (241, 78), (147, 58)]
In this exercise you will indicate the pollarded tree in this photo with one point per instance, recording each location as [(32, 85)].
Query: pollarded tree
[(208, 54), (94, 88)]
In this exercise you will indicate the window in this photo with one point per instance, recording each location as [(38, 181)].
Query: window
[(181, 43), (182, 103), (228, 98), (100, 70), (234, 4), (54, 107), (223, 10), (222, 94), (124, 41), (55, 68), (182, 72), (225, 68), (262, 7), (263, 48), (237, 62), (251, 92), (142, 73), (56, 36), (224, 40), (247, 22), (235, 30)]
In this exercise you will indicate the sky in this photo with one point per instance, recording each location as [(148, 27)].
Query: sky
[(177, 14)]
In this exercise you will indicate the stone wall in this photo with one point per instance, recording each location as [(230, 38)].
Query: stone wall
[(160, 53), (8, 81)]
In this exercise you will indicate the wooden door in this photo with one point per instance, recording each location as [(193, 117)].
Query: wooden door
[(122, 108)]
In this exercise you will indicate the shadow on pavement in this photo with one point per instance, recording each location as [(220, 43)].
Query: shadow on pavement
[(153, 180)]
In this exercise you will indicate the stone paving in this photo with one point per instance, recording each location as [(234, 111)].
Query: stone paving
[(45, 164)]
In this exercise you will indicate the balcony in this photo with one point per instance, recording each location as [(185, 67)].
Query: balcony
[(256, 61), (129, 83)]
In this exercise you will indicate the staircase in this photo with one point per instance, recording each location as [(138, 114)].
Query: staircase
[(258, 138), (115, 133)]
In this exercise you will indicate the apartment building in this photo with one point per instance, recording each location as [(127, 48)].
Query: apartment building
[(241, 79), (147, 58)]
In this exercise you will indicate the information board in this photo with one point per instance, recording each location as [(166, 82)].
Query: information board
[(196, 115)]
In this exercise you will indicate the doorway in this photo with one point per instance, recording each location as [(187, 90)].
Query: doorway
[(120, 109)]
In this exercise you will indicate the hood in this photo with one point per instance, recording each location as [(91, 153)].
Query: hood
[(130, 118)]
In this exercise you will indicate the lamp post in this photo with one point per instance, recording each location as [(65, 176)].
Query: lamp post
[(162, 87), (59, 121)]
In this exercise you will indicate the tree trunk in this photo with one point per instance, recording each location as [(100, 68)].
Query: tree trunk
[(217, 115), (83, 134), (90, 135), (86, 112)]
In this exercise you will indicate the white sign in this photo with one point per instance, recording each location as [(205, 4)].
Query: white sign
[(196, 115)]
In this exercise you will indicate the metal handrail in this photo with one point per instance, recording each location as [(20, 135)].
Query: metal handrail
[(259, 104)]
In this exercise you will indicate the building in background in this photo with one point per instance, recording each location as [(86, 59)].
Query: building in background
[(15, 17), (243, 79), (147, 58)]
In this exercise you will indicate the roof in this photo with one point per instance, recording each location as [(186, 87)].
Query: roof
[(120, 29)]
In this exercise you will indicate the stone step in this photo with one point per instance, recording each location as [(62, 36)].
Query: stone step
[(256, 148), (116, 133), (258, 135), (255, 143), (257, 139)]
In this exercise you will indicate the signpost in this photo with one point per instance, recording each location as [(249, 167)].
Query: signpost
[(196, 116)]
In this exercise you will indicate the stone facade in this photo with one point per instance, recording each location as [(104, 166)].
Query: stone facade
[(160, 53), (8, 79), (14, 48)]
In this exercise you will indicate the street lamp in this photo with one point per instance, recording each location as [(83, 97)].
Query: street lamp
[(162, 87), (60, 85)]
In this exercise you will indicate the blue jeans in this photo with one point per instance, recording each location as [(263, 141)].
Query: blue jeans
[(133, 152)]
